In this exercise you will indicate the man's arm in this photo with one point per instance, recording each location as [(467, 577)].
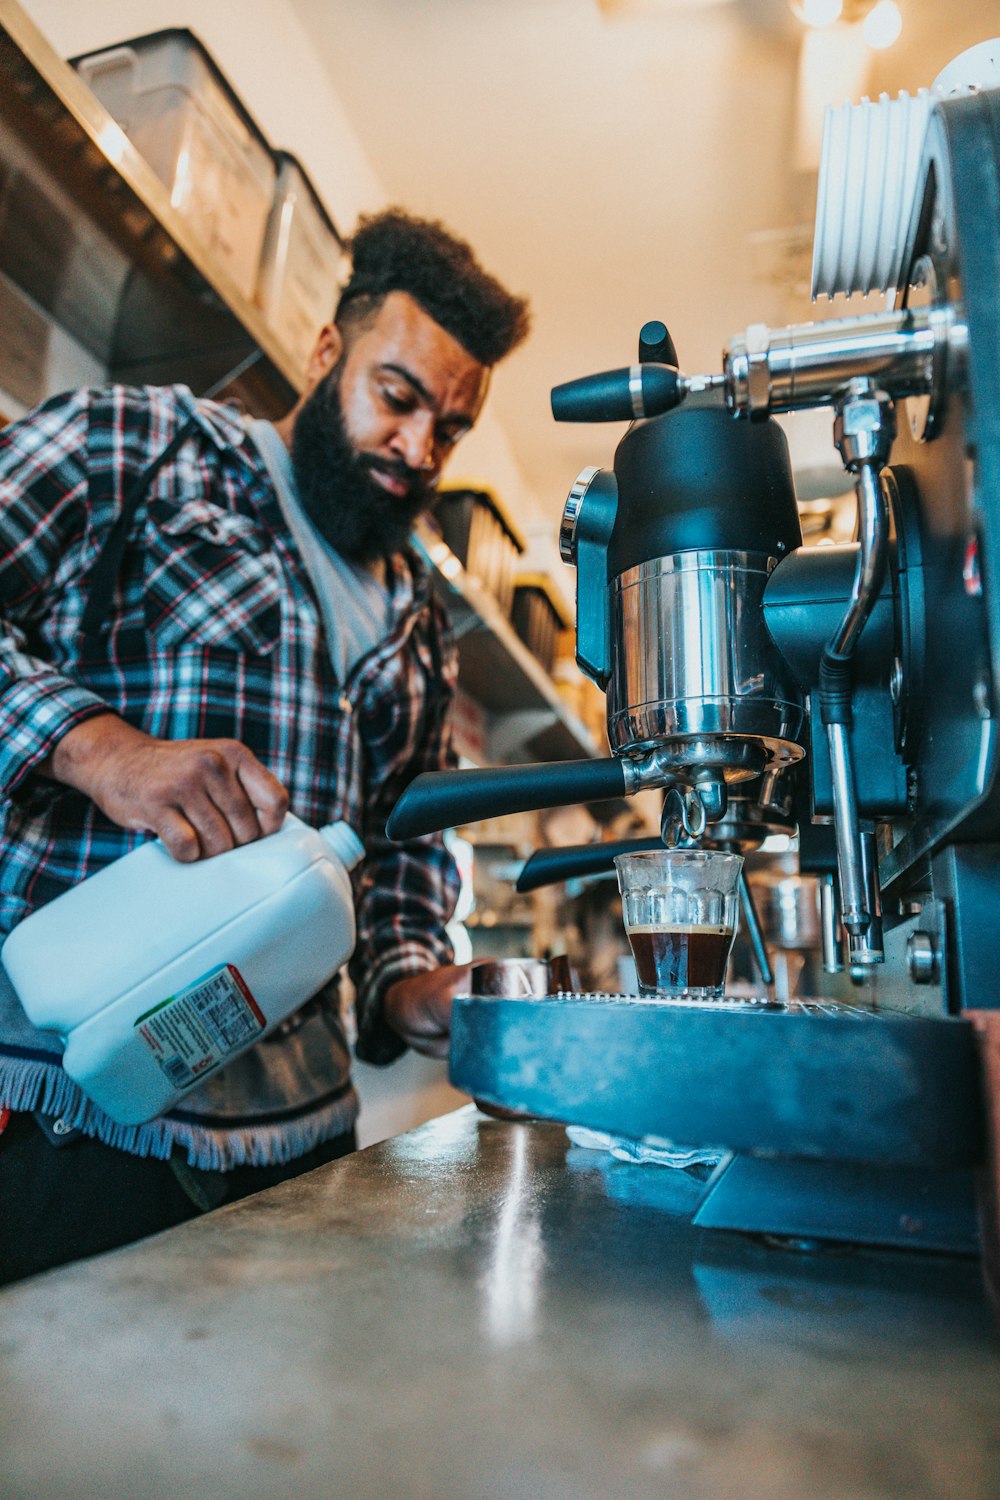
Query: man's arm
[(199, 796), (418, 1008), (402, 966), (44, 514)]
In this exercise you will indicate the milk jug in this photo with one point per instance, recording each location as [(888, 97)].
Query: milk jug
[(155, 973)]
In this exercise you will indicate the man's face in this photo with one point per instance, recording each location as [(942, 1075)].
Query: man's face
[(382, 417)]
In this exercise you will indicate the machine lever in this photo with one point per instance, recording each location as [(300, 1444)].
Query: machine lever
[(642, 390), (445, 799)]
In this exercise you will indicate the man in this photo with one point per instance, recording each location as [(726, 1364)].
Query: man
[(207, 623)]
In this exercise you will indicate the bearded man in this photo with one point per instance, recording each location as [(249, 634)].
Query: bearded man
[(207, 622)]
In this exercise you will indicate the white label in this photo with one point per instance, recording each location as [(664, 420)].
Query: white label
[(191, 1033)]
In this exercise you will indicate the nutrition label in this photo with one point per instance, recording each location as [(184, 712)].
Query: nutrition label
[(191, 1033)]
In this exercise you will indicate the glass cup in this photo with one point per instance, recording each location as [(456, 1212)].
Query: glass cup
[(680, 907)]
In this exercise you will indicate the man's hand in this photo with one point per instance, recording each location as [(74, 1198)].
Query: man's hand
[(419, 1006), (201, 797)]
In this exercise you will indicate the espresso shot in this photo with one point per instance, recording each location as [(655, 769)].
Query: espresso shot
[(680, 909), (681, 958)]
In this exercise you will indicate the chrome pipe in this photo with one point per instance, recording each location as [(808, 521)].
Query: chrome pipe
[(755, 932), (869, 575), (812, 364), (829, 927), (863, 432), (853, 905), (867, 947)]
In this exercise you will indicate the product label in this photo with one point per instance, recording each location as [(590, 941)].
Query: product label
[(191, 1033)]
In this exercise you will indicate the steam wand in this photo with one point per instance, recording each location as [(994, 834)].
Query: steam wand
[(863, 432)]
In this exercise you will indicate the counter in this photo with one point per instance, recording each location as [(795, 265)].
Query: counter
[(478, 1309)]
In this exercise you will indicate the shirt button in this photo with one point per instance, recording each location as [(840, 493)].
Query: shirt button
[(344, 704)]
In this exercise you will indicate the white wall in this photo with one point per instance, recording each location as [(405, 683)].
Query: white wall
[(267, 56)]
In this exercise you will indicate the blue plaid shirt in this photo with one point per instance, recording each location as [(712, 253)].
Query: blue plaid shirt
[(212, 630)]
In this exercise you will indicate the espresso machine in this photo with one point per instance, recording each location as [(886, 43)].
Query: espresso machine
[(852, 686)]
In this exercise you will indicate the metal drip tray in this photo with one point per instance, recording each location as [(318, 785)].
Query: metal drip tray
[(745, 1073), (758, 1004)]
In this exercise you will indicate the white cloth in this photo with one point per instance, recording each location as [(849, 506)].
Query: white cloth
[(650, 1150)]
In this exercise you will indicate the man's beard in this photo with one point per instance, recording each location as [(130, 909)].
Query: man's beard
[(345, 504)]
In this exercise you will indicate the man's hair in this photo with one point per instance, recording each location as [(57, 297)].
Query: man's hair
[(396, 252)]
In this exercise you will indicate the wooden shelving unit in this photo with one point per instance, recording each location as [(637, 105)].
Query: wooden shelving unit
[(499, 671)]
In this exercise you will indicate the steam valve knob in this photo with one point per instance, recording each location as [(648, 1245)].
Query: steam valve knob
[(643, 390)]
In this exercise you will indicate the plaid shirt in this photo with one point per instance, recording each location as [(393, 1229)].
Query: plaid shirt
[(212, 630)]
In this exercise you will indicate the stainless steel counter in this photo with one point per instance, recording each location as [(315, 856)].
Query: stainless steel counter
[(477, 1309)]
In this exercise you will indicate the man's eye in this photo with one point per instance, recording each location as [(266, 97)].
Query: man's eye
[(397, 400)]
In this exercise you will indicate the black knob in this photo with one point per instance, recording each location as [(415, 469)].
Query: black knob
[(655, 344), (645, 390)]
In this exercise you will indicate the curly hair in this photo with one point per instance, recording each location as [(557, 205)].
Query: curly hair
[(397, 252)]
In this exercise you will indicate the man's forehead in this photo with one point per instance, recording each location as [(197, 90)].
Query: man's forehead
[(403, 333)]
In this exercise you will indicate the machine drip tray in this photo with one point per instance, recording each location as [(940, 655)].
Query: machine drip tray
[(813, 1202), (798, 1079)]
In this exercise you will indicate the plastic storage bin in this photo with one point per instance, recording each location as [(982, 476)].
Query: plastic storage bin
[(483, 539), (175, 105), (156, 973), (297, 289), (539, 615)]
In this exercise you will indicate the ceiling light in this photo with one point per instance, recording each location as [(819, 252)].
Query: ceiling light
[(883, 24), (818, 13)]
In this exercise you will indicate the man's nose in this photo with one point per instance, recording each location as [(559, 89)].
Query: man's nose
[(415, 441)]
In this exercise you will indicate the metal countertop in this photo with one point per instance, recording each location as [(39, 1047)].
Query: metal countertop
[(479, 1309)]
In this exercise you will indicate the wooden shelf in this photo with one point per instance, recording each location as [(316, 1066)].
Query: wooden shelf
[(499, 671)]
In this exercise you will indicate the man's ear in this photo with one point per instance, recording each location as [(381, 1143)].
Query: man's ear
[(326, 351)]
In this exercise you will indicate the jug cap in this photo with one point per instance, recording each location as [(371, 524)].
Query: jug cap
[(345, 844)]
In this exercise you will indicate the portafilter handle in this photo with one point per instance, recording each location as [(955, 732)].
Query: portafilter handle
[(549, 866), (445, 799)]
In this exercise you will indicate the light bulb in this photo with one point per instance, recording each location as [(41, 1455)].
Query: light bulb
[(883, 25), (818, 13)]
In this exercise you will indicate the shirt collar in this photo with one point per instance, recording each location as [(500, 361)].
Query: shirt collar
[(223, 424)]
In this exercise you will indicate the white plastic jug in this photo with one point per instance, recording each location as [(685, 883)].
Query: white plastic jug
[(156, 973)]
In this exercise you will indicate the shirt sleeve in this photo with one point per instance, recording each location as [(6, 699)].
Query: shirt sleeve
[(409, 890), (43, 514)]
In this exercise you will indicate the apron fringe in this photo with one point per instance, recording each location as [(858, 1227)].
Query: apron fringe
[(45, 1087)]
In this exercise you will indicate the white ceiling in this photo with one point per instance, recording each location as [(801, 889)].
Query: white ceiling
[(615, 168)]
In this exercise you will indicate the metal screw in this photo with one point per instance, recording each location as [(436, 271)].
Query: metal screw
[(921, 960), (59, 1127)]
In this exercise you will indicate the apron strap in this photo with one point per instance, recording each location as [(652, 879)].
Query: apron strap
[(103, 576)]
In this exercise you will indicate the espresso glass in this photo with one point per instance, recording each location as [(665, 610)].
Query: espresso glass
[(680, 907)]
